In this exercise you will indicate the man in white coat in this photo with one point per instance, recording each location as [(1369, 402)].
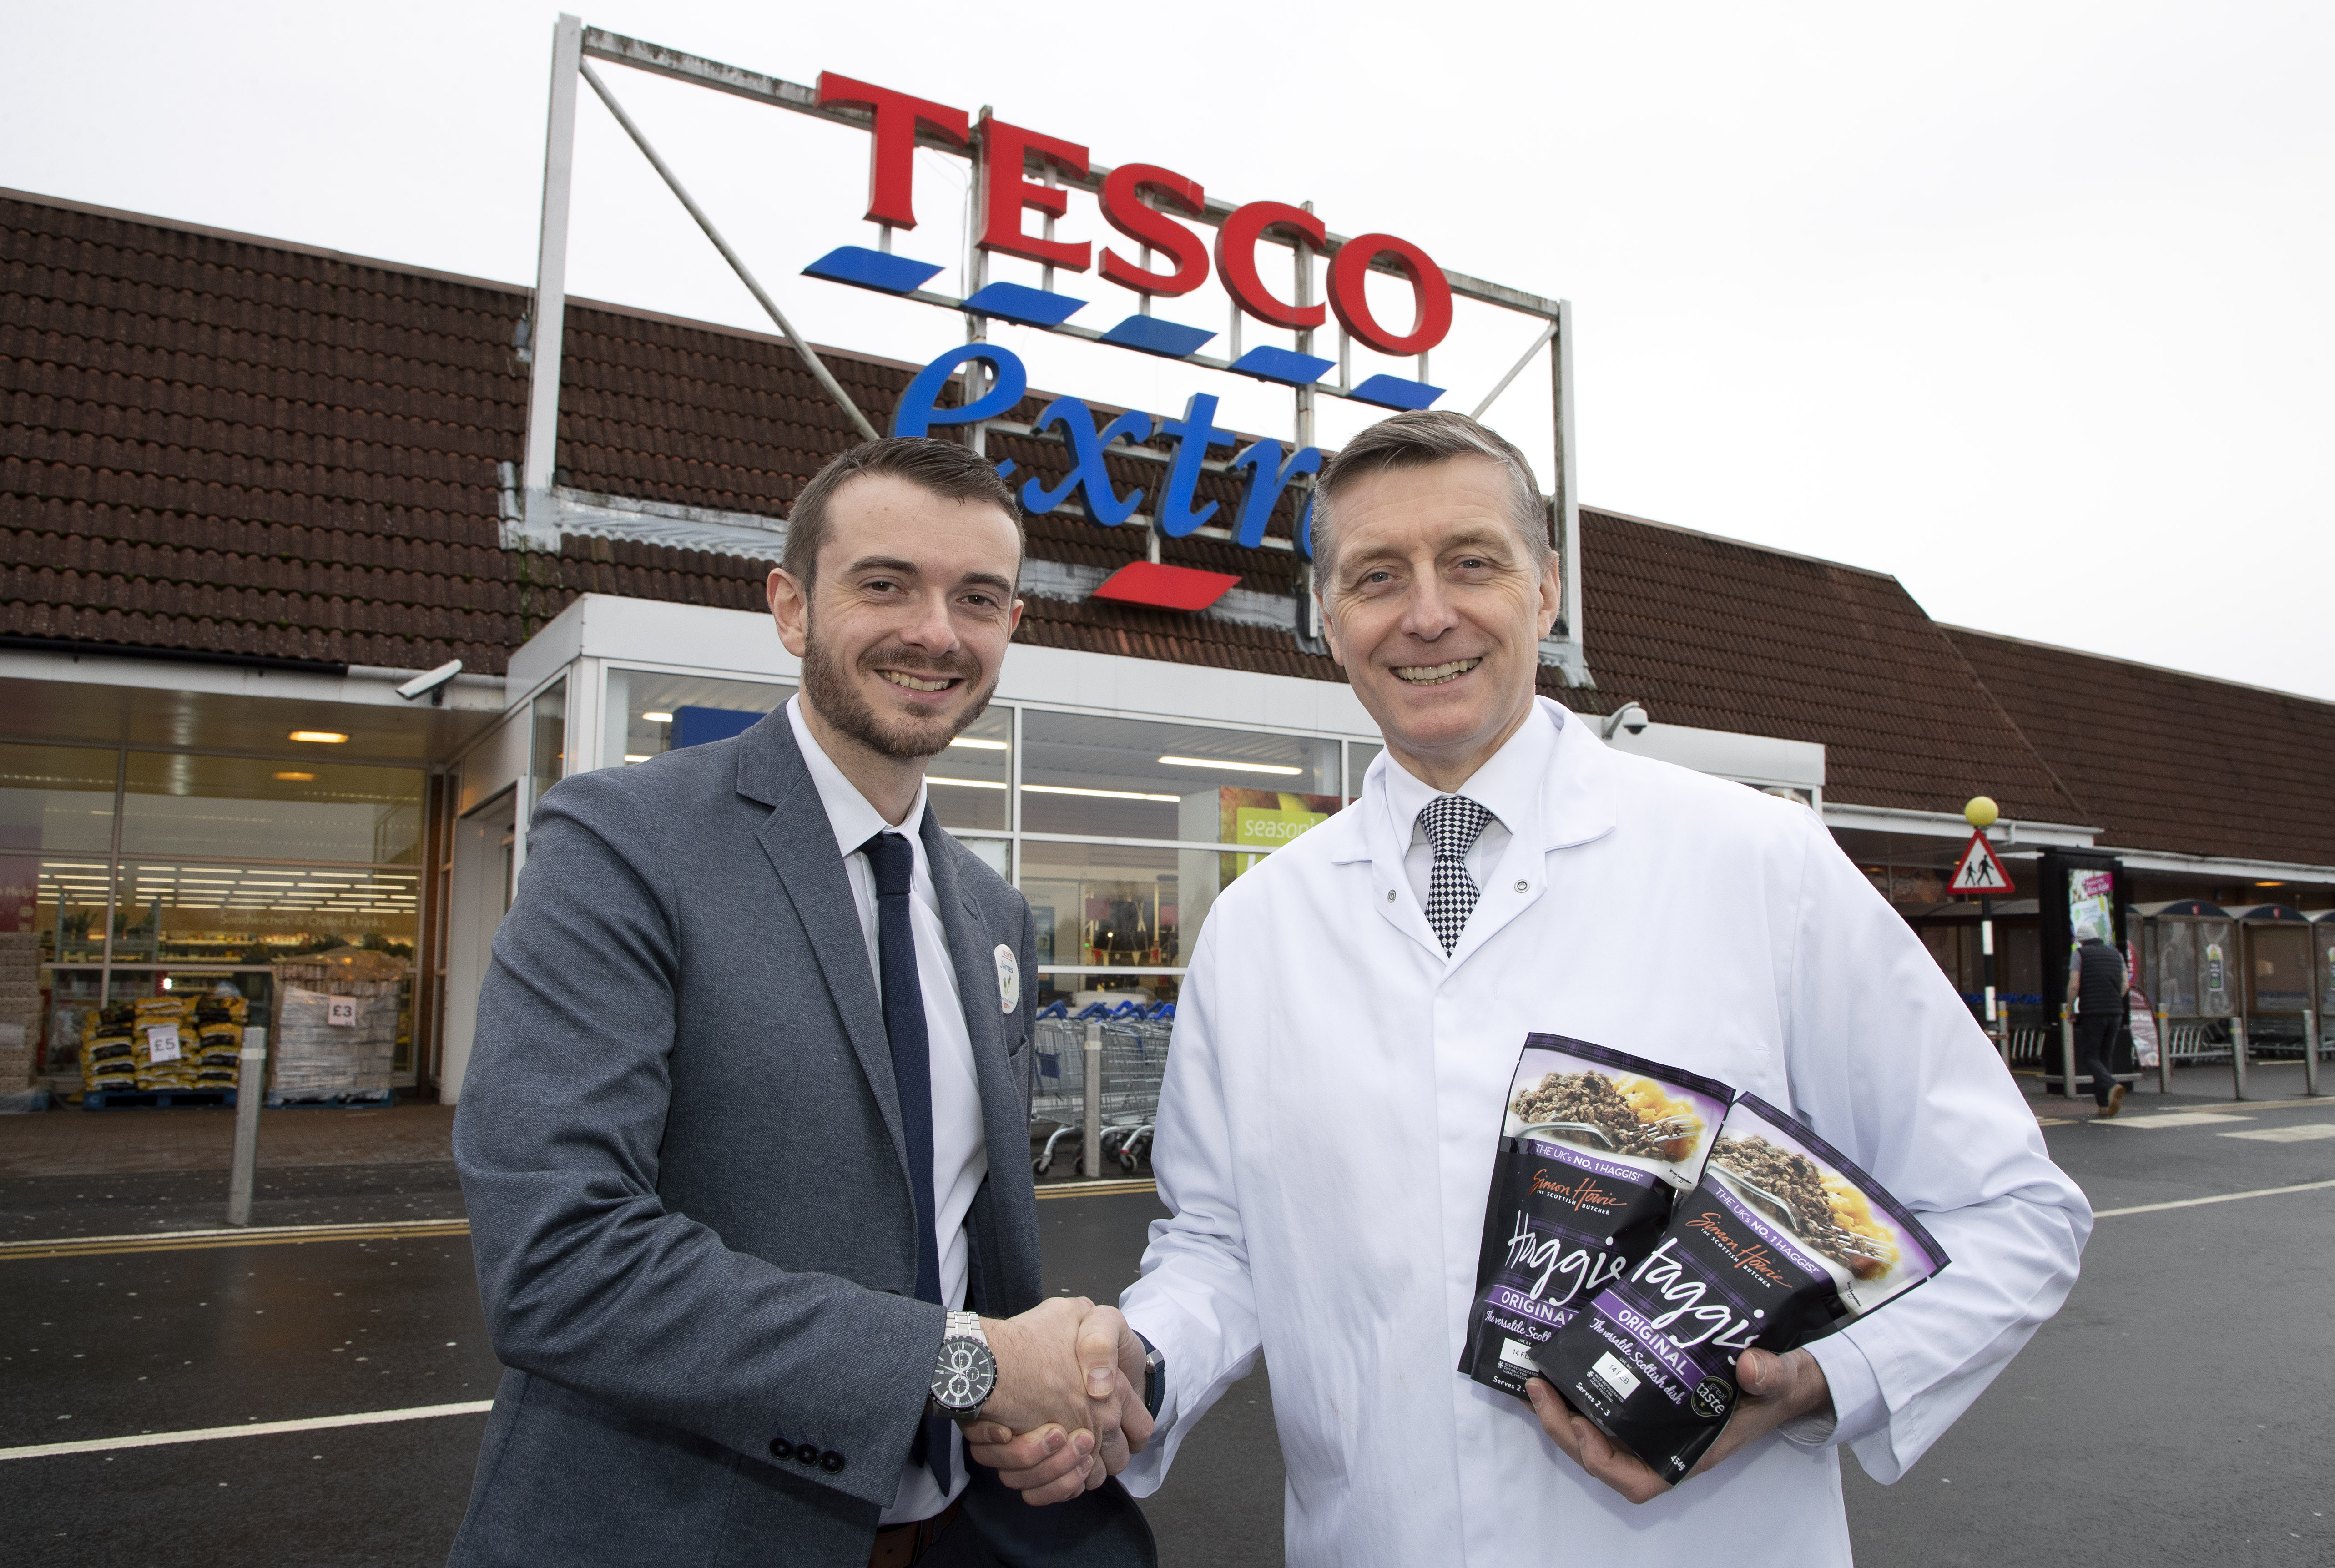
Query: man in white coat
[(1353, 1012)]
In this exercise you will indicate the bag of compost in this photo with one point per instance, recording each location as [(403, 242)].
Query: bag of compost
[(1782, 1241), (1593, 1146)]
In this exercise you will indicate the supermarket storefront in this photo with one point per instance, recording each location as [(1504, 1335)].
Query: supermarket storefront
[(169, 833), (1120, 794)]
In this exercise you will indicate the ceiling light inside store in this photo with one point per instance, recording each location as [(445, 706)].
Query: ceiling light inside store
[(321, 737), (1098, 794), (965, 783), (636, 756), (1233, 766), (970, 744), (658, 718), (297, 778)]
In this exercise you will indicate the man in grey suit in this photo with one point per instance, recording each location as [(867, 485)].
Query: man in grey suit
[(744, 1139)]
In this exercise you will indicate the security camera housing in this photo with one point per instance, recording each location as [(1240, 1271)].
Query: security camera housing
[(431, 683)]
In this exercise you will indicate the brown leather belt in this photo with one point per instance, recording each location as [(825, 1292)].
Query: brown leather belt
[(902, 1544)]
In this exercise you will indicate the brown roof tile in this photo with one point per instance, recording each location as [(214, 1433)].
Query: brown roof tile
[(2169, 761), (216, 442)]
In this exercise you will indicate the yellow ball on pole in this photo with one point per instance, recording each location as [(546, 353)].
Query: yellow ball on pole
[(1981, 812)]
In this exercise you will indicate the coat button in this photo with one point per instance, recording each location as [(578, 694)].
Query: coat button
[(805, 1453), (782, 1449), (831, 1462), (1389, 895), (1521, 886)]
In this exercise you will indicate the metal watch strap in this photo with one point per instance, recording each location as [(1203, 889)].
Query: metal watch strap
[(1155, 1377)]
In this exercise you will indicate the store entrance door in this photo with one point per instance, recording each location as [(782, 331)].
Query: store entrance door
[(486, 861)]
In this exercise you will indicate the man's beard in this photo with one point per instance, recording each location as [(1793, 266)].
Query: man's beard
[(827, 683)]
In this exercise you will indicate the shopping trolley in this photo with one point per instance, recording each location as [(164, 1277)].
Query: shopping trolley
[(1060, 1094), (1134, 1063)]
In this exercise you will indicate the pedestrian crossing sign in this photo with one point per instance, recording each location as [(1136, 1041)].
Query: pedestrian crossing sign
[(1980, 870)]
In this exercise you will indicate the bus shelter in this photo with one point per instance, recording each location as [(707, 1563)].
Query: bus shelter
[(2281, 1020), (2189, 967)]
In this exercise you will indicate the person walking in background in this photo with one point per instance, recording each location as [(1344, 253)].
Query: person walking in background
[(2096, 983)]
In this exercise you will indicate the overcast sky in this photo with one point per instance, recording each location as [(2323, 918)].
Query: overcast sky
[(2027, 304)]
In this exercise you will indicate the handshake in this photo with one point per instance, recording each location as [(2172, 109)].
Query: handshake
[(1067, 1409)]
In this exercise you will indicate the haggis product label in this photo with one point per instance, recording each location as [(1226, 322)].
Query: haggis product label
[(1593, 1146), (1781, 1241)]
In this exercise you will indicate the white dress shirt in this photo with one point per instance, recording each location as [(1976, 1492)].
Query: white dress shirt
[(1330, 1119), (960, 1151)]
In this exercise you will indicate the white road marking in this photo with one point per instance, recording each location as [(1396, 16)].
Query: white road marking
[(250, 1429), (2216, 1198), (2177, 1118), (2298, 1132)]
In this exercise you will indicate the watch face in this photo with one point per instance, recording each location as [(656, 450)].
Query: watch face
[(966, 1374)]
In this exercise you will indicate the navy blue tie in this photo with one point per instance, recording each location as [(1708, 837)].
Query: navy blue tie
[(894, 863)]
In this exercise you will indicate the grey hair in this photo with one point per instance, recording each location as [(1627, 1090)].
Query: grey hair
[(1418, 440)]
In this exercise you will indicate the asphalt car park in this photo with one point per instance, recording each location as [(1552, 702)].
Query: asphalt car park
[(2172, 1413)]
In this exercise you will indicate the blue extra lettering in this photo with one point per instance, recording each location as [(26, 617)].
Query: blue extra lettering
[(1268, 475), (1195, 433), (1088, 445), (920, 408)]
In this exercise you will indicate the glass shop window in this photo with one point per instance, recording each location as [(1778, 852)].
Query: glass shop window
[(967, 783), (1124, 778), (238, 806), (650, 713)]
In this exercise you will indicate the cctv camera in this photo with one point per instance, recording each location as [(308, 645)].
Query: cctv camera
[(431, 683), (1630, 716)]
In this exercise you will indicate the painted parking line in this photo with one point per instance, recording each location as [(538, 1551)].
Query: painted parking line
[(2216, 1198), (251, 1236), (288, 1236), (2177, 1118), (249, 1429), (2296, 1132)]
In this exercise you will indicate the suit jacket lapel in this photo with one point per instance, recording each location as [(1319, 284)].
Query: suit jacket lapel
[(801, 850)]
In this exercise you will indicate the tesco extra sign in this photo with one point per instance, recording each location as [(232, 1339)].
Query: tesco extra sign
[(1008, 195), (1141, 202)]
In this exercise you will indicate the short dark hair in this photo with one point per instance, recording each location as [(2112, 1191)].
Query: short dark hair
[(946, 470), (1416, 440)]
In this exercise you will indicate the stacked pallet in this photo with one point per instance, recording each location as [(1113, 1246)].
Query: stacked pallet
[(109, 1050), (218, 1043), (336, 1033), (163, 1033)]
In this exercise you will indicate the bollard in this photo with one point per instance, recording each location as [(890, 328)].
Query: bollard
[(2238, 1058), (1090, 1145), (250, 1092), (2068, 1052), (2309, 1053), (2164, 1051)]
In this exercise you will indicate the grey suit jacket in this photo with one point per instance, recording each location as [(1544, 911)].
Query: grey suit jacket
[(681, 1148)]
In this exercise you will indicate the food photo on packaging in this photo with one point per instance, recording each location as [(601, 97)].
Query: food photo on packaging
[(1595, 1144), (1782, 1241)]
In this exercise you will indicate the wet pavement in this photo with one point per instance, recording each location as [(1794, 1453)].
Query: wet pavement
[(2169, 1415)]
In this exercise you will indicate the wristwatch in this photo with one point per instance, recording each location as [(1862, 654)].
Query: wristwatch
[(1155, 1377), (966, 1373)]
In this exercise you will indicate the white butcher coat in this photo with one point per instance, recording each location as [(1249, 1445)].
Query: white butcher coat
[(1333, 1098)]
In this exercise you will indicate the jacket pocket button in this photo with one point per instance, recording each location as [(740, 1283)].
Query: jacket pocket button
[(831, 1462)]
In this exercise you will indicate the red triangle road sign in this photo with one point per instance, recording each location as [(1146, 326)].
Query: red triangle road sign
[(1980, 870)]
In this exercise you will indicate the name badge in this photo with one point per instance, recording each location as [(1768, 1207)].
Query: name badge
[(1009, 979)]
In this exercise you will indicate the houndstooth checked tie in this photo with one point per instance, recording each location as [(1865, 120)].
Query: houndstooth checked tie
[(1452, 823)]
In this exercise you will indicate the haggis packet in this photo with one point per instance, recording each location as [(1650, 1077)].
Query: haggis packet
[(1593, 1146), (1782, 1241)]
